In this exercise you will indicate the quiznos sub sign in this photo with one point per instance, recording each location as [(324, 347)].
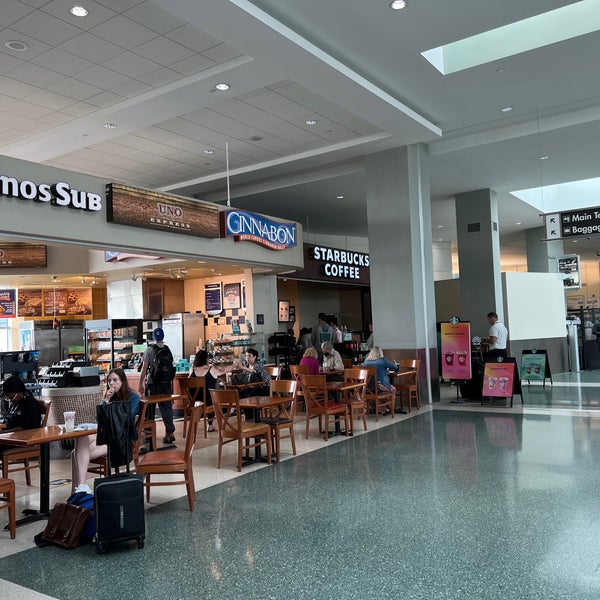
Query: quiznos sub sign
[(340, 263), (242, 225), (58, 194)]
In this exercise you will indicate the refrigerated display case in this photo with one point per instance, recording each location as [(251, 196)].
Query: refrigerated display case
[(184, 332), (109, 342), (54, 344)]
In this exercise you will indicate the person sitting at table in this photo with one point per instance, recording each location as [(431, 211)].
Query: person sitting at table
[(376, 359), (332, 361), (23, 412), (256, 373), (310, 358), (117, 390), (211, 374)]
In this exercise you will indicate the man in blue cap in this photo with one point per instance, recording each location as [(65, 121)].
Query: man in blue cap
[(156, 377)]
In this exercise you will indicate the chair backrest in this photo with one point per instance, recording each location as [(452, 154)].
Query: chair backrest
[(194, 389), (190, 440), (230, 425), (347, 363), (357, 375), (372, 388), (45, 410), (139, 429), (285, 389), (274, 372), (296, 370), (315, 390), (409, 364)]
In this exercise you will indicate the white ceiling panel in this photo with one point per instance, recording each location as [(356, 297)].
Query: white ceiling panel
[(46, 28), (62, 62), (13, 11), (130, 64), (193, 38), (151, 16), (101, 77), (124, 32), (163, 51), (97, 13), (92, 48)]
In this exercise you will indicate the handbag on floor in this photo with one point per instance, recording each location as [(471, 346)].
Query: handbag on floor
[(65, 527)]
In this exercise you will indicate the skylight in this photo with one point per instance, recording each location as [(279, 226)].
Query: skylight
[(563, 196), (536, 32)]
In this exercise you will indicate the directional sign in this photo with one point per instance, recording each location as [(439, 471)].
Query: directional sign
[(575, 223)]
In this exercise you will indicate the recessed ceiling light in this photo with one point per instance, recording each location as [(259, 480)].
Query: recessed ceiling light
[(506, 109), (398, 4), (440, 240), (311, 121), (16, 45), (110, 125), (340, 197), (518, 223), (544, 157), (440, 226), (222, 87), (208, 151), (79, 11)]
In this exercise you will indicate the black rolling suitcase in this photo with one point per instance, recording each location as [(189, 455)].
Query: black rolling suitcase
[(118, 498)]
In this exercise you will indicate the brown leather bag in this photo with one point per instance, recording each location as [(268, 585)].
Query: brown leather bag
[(66, 524)]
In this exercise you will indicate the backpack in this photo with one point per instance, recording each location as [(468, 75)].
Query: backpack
[(161, 369), (86, 501)]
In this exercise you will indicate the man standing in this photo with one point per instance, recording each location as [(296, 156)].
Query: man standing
[(498, 336), (321, 328), (337, 336), (156, 377)]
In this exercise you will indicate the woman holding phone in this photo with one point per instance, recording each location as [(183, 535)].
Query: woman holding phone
[(117, 390)]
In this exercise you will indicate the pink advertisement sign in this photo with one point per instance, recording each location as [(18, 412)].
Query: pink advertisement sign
[(456, 350), (498, 379)]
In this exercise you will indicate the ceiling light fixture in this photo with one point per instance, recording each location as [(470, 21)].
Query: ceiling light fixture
[(311, 121), (222, 87), (398, 4), (440, 226), (82, 280), (544, 157), (340, 197), (110, 125), (518, 223), (208, 151), (16, 45), (506, 109), (79, 11)]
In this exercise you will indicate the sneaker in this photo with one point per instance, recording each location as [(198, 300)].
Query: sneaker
[(169, 438)]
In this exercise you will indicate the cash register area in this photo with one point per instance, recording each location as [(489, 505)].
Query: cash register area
[(457, 500)]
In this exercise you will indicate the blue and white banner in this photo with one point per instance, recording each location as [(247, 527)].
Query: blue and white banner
[(242, 225)]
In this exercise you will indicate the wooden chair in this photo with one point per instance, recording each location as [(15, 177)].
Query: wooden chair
[(408, 385), (274, 372), (382, 400), (319, 405), (21, 456), (357, 402), (194, 389), (296, 371), (283, 416), (347, 363), (9, 501), (233, 429), (173, 461)]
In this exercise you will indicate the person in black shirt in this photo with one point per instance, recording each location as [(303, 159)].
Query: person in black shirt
[(23, 410)]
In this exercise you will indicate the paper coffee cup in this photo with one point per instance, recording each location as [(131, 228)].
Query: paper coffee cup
[(69, 417)]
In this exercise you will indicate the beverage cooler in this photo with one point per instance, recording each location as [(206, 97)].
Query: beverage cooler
[(183, 333), (54, 344), (110, 343)]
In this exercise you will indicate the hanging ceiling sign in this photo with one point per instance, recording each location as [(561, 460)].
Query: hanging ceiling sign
[(137, 207), (22, 256), (251, 227), (574, 223)]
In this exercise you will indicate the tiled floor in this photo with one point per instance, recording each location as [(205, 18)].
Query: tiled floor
[(461, 501)]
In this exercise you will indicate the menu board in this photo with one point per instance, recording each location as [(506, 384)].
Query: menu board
[(29, 303), (498, 379), (8, 305), (55, 303), (212, 299), (456, 350), (79, 301)]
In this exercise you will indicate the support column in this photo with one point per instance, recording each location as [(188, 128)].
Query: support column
[(541, 256), (478, 240), (400, 249)]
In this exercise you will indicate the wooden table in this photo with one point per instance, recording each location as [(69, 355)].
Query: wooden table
[(42, 436)]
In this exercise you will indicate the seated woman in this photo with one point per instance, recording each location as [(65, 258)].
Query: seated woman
[(376, 359), (256, 373), (117, 390), (211, 374), (311, 359), (23, 409)]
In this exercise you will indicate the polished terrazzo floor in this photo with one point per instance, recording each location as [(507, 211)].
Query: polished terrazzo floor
[(461, 501)]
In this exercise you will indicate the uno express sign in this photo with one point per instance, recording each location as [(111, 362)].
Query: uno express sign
[(58, 194)]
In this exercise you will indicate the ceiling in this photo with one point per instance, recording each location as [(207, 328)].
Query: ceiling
[(149, 69)]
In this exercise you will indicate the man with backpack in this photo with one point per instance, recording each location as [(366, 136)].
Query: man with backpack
[(156, 377)]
